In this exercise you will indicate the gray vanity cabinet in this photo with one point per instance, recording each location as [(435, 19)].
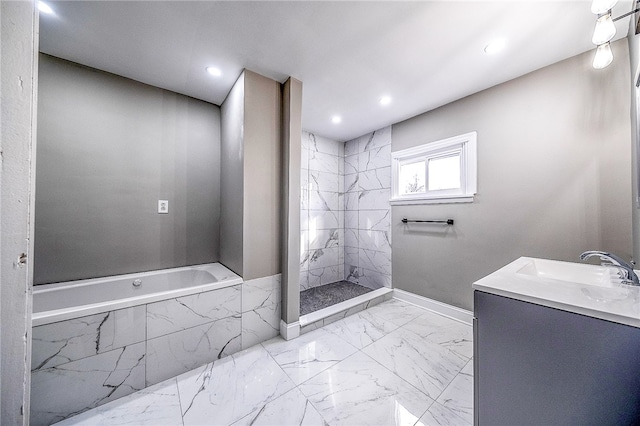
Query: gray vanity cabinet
[(535, 365)]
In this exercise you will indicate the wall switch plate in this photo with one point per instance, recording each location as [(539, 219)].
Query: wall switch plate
[(163, 206)]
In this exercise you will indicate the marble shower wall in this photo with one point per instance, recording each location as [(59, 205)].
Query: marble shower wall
[(345, 217), (367, 215), (322, 211)]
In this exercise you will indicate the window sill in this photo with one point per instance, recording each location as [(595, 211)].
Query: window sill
[(432, 200)]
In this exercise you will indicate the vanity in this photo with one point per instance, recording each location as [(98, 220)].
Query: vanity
[(556, 343)]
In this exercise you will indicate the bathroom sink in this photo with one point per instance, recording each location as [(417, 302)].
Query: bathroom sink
[(602, 276), (591, 290)]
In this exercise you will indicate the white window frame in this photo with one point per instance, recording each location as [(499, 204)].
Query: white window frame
[(464, 145)]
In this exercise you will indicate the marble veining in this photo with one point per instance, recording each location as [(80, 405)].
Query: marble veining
[(153, 406), (321, 276), (229, 389), (170, 316), (361, 391), (292, 408), (375, 220), (176, 353), (449, 333), (312, 353), (398, 351), (62, 342), (94, 380), (260, 324), (324, 377)]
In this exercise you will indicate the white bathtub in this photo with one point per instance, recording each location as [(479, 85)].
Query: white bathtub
[(63, 301)]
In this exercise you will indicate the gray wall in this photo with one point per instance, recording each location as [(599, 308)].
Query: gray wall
[(231, 179), (19, 46), (251, 179), (554, 178), (634, 62), (262, 177), (109, 149), (291, 158)]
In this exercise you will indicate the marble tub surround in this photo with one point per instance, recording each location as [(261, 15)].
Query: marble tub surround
[(62, 342), (67, 389), (320, 379), (321, 297), (101, 357), (367, 215), (322, 211)]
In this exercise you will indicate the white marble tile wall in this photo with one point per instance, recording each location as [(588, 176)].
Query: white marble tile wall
[(367, 215), (322, 211), (261, 304), (98, 358)]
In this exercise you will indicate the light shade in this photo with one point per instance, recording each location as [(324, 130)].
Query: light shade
[(602, 6), (495, 46), (605, 30), (603, 56)]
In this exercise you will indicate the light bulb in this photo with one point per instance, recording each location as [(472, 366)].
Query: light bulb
[(336, 119), (602, 6), (214, 71), (605, 30), (385, 100), (45, 8), (603, 56)]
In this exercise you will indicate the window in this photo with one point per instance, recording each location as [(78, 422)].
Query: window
[(436, 172)]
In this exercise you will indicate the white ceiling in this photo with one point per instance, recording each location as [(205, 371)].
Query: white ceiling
[(347, 54)]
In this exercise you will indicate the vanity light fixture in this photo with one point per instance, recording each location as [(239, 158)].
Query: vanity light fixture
[(385, 100), (336, 119), (603, 57), (45, 8), (214, 71), (605, 30)]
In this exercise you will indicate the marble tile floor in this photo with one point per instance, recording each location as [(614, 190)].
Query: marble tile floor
[(321, 297), (393, 364)]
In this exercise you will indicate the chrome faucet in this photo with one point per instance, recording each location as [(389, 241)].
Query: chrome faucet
[(628, 275)]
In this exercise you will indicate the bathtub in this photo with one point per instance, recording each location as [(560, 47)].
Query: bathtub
[(101, 339), (62, 301)]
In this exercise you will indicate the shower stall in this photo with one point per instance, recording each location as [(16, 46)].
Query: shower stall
[(345, 218)]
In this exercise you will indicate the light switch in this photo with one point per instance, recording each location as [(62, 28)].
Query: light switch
[(163, 206)]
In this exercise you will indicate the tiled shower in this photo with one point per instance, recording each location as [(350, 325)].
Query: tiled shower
[(345, 215)]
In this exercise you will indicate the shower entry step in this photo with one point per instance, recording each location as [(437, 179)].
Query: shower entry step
[(321, 297)]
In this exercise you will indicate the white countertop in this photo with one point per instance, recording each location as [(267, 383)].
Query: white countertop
[(552, 284)]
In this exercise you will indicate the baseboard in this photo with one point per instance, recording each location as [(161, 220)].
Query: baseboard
[(450, 311), (289, 331)]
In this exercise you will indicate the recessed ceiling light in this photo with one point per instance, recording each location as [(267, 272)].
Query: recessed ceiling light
[(45, 8), (495, 46), (336, 119), (214, 71), (385, 100)]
